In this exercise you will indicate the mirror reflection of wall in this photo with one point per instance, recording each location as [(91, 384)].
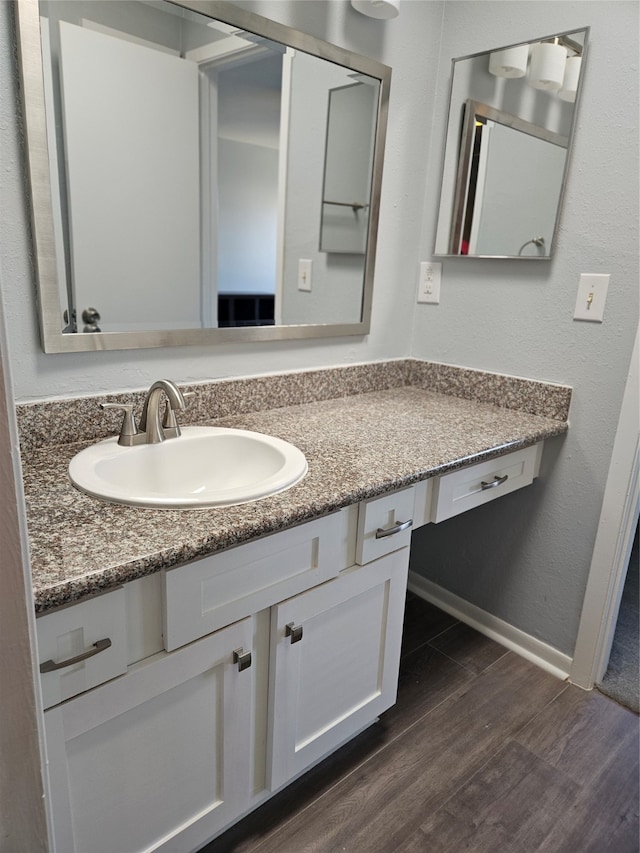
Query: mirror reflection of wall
[(336, 278), (513, 166), (521, 153)]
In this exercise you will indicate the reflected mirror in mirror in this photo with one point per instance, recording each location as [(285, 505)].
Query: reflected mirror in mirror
[(190, 164), (347, 180), (511, 120)]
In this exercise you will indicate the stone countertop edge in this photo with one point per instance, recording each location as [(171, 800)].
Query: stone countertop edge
[(357, 447)]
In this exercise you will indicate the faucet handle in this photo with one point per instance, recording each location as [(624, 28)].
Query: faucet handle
[(129, 428), (169, 421)]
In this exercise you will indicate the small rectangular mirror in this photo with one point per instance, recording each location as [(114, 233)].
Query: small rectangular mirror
[(512, 114)]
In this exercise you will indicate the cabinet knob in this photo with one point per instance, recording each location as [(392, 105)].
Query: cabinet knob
[(242, 658), (294, 631)]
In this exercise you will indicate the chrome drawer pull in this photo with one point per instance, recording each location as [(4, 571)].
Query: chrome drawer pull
[(242, 658), (497, 481), (294, 631), (390, 531), (99, 646)]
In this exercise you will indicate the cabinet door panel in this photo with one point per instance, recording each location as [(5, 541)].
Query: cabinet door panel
[(343, 672), (327, 652), (160, 754)]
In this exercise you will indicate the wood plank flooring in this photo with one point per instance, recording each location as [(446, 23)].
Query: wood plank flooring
[(482, 752)]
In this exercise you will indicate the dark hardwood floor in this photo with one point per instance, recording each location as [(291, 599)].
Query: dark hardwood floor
[(482, 752)]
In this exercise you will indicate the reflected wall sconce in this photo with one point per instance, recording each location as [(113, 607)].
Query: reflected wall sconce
[(552, 66), (381, 9), (571, 76), (547, 66), (511, 62)]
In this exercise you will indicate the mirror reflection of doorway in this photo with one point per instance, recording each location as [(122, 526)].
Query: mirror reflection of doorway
[(247, 182), (508, 185)]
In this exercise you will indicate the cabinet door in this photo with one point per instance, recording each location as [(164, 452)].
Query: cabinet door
[(335, 653), (158, 757)]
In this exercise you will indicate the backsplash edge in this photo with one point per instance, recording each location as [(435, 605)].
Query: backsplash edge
[(48, 423)]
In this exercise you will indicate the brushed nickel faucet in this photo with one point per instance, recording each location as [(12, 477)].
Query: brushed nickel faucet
[(152, 430)]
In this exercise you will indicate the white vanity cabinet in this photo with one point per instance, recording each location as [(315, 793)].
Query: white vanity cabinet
[(228, 677), (186, 741)]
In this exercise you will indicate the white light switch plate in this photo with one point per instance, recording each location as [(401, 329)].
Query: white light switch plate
[(304, 274), (592, 295)]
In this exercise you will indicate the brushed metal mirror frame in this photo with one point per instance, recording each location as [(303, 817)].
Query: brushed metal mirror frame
[(48, 299)]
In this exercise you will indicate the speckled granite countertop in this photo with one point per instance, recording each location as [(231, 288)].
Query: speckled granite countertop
[(357, 447)]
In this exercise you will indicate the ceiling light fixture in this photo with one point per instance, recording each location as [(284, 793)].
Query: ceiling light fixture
[(381, 9)]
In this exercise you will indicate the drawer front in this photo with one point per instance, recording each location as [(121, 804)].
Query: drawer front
[(471, 487), (208, 594), (384, 525), (94, 634)]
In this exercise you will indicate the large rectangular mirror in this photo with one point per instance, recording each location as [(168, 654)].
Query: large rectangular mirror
[(179, 155), (512, 114)]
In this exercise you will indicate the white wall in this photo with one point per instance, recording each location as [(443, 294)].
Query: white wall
[(526, 559)]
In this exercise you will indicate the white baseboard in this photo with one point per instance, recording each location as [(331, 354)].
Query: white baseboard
[(539, 653)]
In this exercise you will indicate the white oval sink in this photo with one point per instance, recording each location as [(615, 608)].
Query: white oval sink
[(204, 467)]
